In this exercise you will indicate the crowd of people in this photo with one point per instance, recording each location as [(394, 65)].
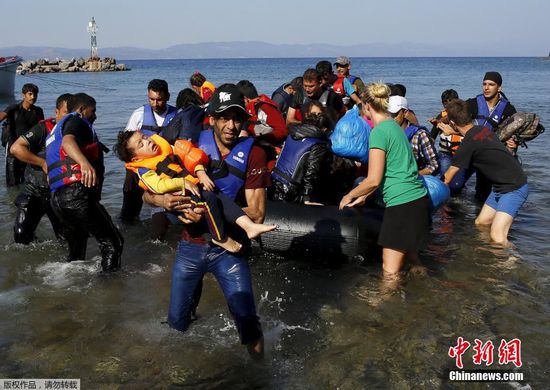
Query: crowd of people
[(209, 163)]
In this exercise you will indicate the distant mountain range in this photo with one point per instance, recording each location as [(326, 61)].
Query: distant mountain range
[(256, 49)]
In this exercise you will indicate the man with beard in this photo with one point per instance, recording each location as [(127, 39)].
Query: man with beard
[(313, 90), (239, 170)]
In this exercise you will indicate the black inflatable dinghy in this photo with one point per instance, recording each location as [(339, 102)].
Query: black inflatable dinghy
[(321, 231)]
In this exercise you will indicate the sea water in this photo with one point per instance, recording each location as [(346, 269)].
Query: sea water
[(325, 327)]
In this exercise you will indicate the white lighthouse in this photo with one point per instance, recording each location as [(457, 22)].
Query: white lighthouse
[(92, 29)]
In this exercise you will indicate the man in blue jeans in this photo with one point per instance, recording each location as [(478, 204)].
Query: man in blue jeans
[(239, 169), (481, 149)]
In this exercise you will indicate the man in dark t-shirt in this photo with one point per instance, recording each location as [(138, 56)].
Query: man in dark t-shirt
[(21, 117), (313, 90), (34, 201), (482, 150)]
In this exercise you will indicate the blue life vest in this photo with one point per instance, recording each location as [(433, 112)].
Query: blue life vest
[(352, 78), (412, 130), (423, 157), (484, 117), (291, 158), (228, 174), (287, 98), (63, 170), (149, 122)]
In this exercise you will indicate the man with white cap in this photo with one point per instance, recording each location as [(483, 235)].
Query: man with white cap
[(421, 141)]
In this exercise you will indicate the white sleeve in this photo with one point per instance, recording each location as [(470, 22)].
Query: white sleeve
[(136, 120)]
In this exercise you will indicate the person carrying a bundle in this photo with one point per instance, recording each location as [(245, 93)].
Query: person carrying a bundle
[(162, 169)]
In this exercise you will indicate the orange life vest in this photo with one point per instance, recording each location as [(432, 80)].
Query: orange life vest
[(450, 142), (179, 160)]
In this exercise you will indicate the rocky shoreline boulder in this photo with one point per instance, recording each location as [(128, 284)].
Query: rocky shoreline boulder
[(44, 65)]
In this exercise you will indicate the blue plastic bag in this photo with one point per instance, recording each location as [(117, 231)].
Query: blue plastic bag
[(350, 137), (438, 192)]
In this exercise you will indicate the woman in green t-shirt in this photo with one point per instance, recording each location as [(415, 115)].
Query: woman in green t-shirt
[(392, 166)]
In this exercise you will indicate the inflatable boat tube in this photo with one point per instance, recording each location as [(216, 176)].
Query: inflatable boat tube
[(321, 231)]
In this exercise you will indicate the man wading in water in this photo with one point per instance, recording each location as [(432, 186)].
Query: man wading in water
[(240, 172)]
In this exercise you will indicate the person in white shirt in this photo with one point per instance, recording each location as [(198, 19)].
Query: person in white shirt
[(153, 116)]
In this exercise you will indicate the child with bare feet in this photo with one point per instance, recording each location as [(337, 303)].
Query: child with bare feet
[(163, 168)]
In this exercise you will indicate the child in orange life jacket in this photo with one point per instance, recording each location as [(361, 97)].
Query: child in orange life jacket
[(162, 168)]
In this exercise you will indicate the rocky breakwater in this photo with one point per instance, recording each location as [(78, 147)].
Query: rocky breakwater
[(44, 65)]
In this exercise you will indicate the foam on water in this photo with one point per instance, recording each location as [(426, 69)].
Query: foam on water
[(14, 297), (152, 269), (74, 275)]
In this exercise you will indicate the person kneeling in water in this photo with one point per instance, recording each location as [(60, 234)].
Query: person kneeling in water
[(162, 169)]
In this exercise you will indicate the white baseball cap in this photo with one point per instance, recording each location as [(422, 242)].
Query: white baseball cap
[(397, 103)]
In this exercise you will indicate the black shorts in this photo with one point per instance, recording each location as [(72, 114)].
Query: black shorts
[(406, 226)]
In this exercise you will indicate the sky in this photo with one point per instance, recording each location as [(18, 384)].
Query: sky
[(519, 27)]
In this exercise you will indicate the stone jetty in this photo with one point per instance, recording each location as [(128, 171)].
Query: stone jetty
[(44, 65)]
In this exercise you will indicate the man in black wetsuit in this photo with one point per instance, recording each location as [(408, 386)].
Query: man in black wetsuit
[(75, 173), (20, 118), (34, 201)]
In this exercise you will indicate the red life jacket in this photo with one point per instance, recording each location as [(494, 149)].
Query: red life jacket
[(338, 85), (49, 124), (252, 108), (273, 119), (63, 170)]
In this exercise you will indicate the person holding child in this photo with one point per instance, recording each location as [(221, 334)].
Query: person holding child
[(157, 164)]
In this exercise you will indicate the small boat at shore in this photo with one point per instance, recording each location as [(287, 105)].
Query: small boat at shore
[(321, 231), (8, 69)]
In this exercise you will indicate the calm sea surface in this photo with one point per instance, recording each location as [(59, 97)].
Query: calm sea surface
[(324, 327)]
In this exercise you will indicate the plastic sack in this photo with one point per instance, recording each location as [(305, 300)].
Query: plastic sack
[(350, 137), (438, 192)]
